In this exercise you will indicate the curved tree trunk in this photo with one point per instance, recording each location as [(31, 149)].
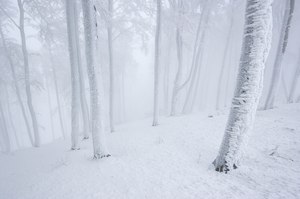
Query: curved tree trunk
[(284, 36), (156, 64), (255, 50), (37, 140), (97, 124)]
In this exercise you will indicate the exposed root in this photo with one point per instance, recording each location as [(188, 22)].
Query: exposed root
[(224, 167)]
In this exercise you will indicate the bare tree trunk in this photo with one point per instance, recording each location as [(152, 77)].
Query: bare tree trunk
[(10, 118), (5, 131), (57, 94), (37, 141), (50, 108), (83, 101), (17, 89), (294, 83), (284, 35), (71, 11), (255, 50), (156, 64), (111, 66), (100, 150), (194, 82)]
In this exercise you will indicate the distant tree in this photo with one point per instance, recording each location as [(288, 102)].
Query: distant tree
[(255, 50), (283, 41)]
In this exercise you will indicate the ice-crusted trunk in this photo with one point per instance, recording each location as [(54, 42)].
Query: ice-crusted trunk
[(255, 50), (96, 120), (179, 49), (225, 53), (283, 41), (37, 141), (17, 88), (295, 82), (111, 66), (157, 63), (50, 107), (71, 10), (54, 76)]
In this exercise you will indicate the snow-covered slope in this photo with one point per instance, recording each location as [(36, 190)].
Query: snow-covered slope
[(172, 160)]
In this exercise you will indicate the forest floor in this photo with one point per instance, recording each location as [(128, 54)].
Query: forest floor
[(172, 160)]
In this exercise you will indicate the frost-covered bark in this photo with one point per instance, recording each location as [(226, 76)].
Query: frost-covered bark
[(17, 89), (96, 120), (255, 50), (283, 40), (111, 66), (295, 82), (157, 63), (71, 12), (37, 141)]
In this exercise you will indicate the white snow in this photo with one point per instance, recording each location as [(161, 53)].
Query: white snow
[(172, 160)]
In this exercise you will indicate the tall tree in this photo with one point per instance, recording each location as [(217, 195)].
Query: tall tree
[(295, 81), (255, 50), (111, 65), (283, 41), (37, 140), (157, 63), (72, 19), (96, 119)]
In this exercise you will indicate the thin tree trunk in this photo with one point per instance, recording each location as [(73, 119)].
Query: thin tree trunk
[(97, 124), (71, 11), (37, 141), (5, 131), (50, 108), (294, 83), (10, 118), (57, 93), (17, 89), (255, 50), (225, 54), (285, 90), (156, 64), (111, 66), (283, 40), (83, 101)]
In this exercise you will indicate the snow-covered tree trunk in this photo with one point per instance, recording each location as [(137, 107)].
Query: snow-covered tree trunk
[(255, 50), (50, 107), (157, 63), (283, 40), (295, 81), (37, 140), (96, 120), (111, 66), (71, 9), (83, 101), (17, 89), (57, 93)]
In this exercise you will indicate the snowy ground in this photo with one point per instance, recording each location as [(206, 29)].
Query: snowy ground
[(169, 161)]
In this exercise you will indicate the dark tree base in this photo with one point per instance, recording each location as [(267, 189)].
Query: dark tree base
[(99, 156)]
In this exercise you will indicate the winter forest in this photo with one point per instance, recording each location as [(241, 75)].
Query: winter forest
[(149, 99)]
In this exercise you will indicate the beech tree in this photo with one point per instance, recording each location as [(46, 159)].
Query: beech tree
[(100, 150), (255, 50)]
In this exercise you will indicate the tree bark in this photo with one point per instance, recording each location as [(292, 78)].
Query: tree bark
[(255, 50), (283, 41), (294, 83), (5, 131), (97, 123)]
